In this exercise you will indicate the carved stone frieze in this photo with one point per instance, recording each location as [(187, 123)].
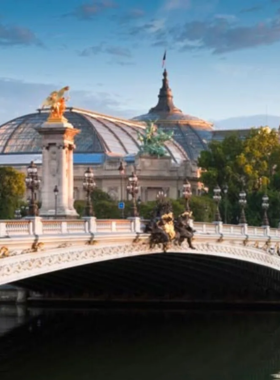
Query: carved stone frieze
[(28, 265)]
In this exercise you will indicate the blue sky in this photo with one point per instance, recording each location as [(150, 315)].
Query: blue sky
[(223, 56)]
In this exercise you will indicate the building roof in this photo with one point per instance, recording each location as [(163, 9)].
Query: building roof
[(192, 133), (100, 134), (221, 134)]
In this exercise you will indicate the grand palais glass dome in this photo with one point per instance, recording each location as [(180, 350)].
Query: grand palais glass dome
[(100, 136), (192, 133)]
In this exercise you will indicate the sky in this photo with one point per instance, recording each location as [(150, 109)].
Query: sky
[(222, 55)]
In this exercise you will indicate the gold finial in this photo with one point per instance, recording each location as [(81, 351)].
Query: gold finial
[(56, 101)]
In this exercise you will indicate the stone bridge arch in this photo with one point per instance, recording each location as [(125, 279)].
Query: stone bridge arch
[(219, 263)]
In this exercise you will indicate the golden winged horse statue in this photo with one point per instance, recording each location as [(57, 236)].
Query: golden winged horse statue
[(56, 101)]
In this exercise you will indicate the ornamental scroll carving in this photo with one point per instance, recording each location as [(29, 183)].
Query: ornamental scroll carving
[(28, 265)]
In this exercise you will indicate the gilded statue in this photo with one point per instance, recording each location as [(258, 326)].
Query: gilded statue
[(56, 102), (167, 223), (153, 141)]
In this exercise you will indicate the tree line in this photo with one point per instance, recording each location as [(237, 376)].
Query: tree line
[(251, 163)]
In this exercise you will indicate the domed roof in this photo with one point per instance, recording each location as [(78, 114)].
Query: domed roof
[(99, 134), (190, 132)]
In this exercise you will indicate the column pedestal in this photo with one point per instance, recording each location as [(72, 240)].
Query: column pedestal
[(57, 168)]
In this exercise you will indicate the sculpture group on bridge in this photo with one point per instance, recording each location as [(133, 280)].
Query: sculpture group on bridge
[(164, 229)]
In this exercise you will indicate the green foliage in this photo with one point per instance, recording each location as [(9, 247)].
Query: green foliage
[(203, 208), (220, 161), (100, 195), (80, 207), (104, 206), (252, 163), (106, 210), (12, 189), (146, 209)]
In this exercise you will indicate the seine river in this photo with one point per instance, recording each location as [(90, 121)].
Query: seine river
[(82, 344)]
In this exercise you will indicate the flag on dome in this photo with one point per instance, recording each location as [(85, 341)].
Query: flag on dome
[(164, 59)]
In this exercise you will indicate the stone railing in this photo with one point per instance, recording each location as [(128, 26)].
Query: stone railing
[(38, 226)]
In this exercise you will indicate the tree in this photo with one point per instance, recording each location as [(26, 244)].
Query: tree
[(100, 195), (260, 157), (252, 163), (12, 189), (219, 162), (104, 206)]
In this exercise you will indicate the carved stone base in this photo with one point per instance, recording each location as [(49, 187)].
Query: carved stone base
[(61, 214)]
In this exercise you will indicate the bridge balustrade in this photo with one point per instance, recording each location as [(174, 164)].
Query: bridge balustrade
[(275, 232), (39, 226), (206, 228), (257, 230), (16, 227), (233, 229), (51, 227), (105, 225)]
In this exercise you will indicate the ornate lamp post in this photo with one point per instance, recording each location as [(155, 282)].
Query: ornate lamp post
[(121, 171), (17, 214), (217, 199), (88, 186), (225, 190), (187, 193), (55, 191), (161, 195), (243, 202), (161, 199), (132, 189), (32, 183), (265, 205)]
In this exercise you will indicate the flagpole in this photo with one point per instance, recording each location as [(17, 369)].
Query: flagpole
[(164, 60)]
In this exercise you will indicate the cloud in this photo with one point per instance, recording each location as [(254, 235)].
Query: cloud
[(29, 96), (153, 26), (201, 6), (88, 11), (252, 9), (117, 50), (130, 16), (92, 50), (136, 13), (221, 36), (227, 17), (120, 63), (177, 4), (17, 35), (101, 48)]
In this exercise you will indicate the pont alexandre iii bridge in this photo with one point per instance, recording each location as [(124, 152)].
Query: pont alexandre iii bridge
[(115, 256)]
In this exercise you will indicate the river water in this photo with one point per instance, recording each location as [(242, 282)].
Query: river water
[(88, 344)]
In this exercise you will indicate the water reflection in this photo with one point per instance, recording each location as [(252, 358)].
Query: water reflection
[(91, 344), (14, 316)]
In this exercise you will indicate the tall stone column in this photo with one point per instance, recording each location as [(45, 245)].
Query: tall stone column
[(57, 168), (70, 178), (45, 172)]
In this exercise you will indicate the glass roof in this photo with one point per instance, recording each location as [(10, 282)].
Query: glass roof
[(99, 134)]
